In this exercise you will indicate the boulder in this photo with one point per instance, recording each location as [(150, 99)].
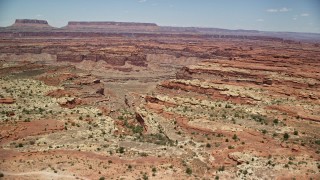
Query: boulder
[(100, 91), (96, 81), (69, 102)]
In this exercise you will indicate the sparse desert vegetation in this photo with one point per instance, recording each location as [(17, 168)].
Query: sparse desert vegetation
[(158, 106)]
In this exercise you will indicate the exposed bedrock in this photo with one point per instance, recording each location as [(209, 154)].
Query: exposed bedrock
[(187, 73), (70, 57), (21, 50), (115, 60)]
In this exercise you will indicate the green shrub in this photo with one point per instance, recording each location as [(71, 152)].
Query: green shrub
[(137, 129), (189, 171), (143, 154), (154, 169), (221, 168), (121, 150), (258, 117), (286, 136), (228, 106), (235, 137), (145, 177)]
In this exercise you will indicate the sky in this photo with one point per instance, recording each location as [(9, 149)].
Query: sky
[(266, 15)]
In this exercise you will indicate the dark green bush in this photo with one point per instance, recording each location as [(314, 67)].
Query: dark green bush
[(189, 171), (286, 136)]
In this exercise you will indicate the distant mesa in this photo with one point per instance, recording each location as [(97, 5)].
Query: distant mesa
[(30, 23)]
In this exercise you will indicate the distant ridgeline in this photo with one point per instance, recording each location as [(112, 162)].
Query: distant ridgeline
[(109, 23), (112, 26), (34, 27)]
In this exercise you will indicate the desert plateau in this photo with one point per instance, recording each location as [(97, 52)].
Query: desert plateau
[(124, 100)]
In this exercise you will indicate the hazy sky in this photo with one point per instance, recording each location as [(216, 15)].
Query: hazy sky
[(269, 15)]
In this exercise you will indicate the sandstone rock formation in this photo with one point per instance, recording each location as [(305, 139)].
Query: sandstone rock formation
[(7, 100), (186, 103), (69, 102), (31, 23)]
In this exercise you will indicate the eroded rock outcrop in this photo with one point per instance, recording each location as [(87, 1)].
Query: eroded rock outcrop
[(69, 102), (140, 119), (7, 100), (111, 59), (138, 60), (70, 57)]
